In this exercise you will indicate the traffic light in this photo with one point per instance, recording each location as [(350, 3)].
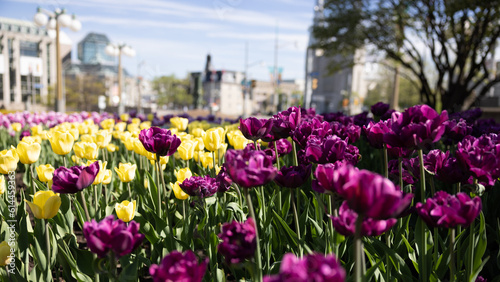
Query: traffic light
[(253, 83), (314, 83)]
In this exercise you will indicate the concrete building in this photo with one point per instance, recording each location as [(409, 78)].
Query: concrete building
[(27, 62), (263, 94), (344, 90)]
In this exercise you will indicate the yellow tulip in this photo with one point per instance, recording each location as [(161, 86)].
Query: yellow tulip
[(5, 254), (108, 123), (221, 151), (132, 127), (75, 133), (102, 171), (178, 193), (61, 142), (2, 184), (197, 132), (28, 150), (36, 138), (128, 141), (126, 171), (83, 128), (240, 142), (45, 204), (107, 176), (124, 117), (200, 146), (37, 130), (87, 138), (86, 150), (183, 173), (45, 172), (125, 210), (145, 125), (139, 148), (102, 138), (8, 160), (151, 116), (111, 147), (186, 149), (180, 123), (120, 126), (136, 121), (76, 159), (213, 138), (146, 182), (197, 155), (16, 126), (207, 160)]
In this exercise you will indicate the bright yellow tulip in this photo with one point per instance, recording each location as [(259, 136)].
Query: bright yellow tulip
[(240, 142), (86, 150), (136, 121), (45, 172), (213, 138), (8, 160), (145, 125), (139, 148), (125, 210), (111, 147), (197, 132), (107, 176), (120, 126), (28, 150), (178, 193), (37, 130), (45, 204), (126, 171), (200, 146), (5, 254), (76, 159), (180, 123), (108, 123), (16, 126), (75, 133), (102, 138), (124, 117), (61, 142), (207, 160), (183, 173), (2, 184), (186, 149)]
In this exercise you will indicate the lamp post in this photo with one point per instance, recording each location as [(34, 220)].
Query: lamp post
[(58, 19), (246, 82), (117, 50)]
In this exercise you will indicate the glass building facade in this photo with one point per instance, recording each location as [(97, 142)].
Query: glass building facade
[(91, 50)]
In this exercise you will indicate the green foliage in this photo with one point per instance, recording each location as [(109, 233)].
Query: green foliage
[(173, 91), (82, 91)]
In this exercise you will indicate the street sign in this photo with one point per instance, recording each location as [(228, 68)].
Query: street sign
[(38, 85)]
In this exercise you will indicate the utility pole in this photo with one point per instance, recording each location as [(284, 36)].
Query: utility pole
[(245, 86)]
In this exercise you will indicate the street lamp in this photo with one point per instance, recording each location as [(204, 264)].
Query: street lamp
[(58, 19), (116, 50), (246, 82)]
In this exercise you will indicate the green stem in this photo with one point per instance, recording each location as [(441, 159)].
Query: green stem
[(158, 204), (96, 201), (47, 246), (400, 167), (423, 247), (470, 267), (112, 267), (129, 192), (213, 160), (358, 251), (330, 223), (32, 179), (422, 175), (84, 204), (296, 219), (258, 256), (386, 162), (452, 255), (295, 160)]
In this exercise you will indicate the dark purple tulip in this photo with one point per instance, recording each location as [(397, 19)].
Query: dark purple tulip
[(177, 266), (434, 160), (312, 267), (485, 126), (387, 114), (250, 168), (372, 195), (452, 172), (201, 186), (349, 132), (379, 109), (410, 171), (375, 133), (361, 119), (330, 150), (254, 128), (74, 179), (307, 129), (470, 116), (24, 134), (481, 157), (238, 241), (330, 178), (397, 152), (286, 121), (456, 130), (284, 146), (112, 235), (444, 210), (293, 176), (223, 180), (159, 141), (345, 223)]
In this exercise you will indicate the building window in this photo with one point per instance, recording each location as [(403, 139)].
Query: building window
[(28, 48)]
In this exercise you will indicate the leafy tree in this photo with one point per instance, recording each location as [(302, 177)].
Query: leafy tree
[(458, 37), (82, 92), (173, 91)]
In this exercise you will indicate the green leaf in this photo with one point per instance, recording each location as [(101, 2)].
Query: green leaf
[(291, 235)]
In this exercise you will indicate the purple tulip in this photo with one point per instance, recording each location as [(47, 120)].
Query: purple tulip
[(112, 235), (349, 132), (470, 116), (444, 210), (250, 168), (284, 146), (330, 150), (379, 109), (375, 133), (238, 241), (372, 195), (223, 181), (434, 160), (24, 134), (74, 179), (345, 223), (177, 266), (452, 172), (313, 267), (330, 178), (410, 170), (481, 156), (307, 129), (293, 176), (286, 121), (159, 141), (201, 186), (456, 131), (254, 128)]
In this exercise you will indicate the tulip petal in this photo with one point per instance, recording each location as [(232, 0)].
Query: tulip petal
[(51, 207), (36, 210)]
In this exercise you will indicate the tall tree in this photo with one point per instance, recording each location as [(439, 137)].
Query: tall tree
[(83, 91), (173, 91), (457, 37)]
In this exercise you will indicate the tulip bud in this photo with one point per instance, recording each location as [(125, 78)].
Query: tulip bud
[(45, 172), (8, 160), (61, 142), (28, 150), (45, 204), (126, 172), (180, 123), (4, 254), (213, 138), (125, 210)]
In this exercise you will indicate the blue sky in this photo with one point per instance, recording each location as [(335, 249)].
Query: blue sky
[(175, 36)]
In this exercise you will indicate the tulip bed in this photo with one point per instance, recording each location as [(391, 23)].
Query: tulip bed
[(386, 196)]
